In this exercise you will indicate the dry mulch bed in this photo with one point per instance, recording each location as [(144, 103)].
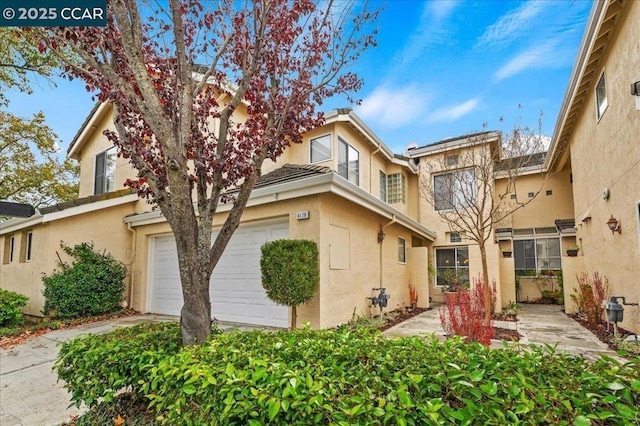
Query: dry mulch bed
[(600, 330), (506, 334), (398, 316), (46, 326)]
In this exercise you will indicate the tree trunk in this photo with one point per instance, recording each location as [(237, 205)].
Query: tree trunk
[(487, 288), (195, 317), (294, 317)]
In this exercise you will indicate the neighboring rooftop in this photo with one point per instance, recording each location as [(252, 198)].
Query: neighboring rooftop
[(85, 200), (291, 172), (471, 139), (530, 160)]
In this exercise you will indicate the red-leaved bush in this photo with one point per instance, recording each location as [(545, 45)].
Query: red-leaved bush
[(464, 314), (591, 292)]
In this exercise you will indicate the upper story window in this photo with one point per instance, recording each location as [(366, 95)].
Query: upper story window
[(601, 96), (383, 186), (454, 237), (9, 248), (25, 252), (452, 160), (320, 149), (538, 255), (454, 190), (396, 188), (348, 162), (105, 172)]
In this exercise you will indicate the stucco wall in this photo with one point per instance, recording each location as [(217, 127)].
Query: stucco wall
[(98, 143), (104, 228), (605, 154), (345, 291), (544, 209)]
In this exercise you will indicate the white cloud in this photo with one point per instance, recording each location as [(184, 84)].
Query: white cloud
[(430, 30), (535, 57), (510, 26), (392, 107), (440, 9), (452, 113)]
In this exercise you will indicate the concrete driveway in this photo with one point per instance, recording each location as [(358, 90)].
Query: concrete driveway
[(29, 392), (538, 324)]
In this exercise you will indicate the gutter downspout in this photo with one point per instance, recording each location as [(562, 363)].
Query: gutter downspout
[(381, 236), (132, 269)]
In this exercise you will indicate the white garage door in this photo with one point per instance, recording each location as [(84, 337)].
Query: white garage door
[(236, 288)]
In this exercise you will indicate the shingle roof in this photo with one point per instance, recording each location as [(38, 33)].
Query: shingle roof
[(85, 200), (530, 160), (291, 172), (448, 140)]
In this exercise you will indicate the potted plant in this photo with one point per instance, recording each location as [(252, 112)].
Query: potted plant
[(572, 251)]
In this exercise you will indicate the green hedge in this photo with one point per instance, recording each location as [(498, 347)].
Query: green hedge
[(11, 304), (341, 377), (92, 285), (98, 366), (347, 377)]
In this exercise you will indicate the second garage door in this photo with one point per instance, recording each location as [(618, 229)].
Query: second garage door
[(236, 286)]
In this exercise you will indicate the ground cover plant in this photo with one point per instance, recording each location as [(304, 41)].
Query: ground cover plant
[(361, 377), (93, 284)]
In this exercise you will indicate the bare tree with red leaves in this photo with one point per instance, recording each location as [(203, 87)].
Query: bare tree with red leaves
[(279, 59)]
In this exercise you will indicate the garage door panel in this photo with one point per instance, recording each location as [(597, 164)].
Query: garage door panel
[(235, 289)]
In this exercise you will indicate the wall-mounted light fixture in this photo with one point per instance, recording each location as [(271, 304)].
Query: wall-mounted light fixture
[(614, 225), (635, 88)]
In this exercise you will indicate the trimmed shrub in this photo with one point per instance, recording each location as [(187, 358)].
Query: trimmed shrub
[(11, 304), (345, 377), (92, 285), (98, 366), (290, 272)]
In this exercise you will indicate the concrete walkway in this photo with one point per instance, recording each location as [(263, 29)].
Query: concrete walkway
[(538, 324), (29, 391)]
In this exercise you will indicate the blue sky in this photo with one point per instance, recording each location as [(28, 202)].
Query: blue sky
[(441, 69)]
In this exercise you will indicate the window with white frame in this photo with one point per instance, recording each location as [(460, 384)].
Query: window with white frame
[(383, 186), (537, 256), (9, 248), (452, 266), (25, 246), (455, 237), (396, 188), (320, 149), (402, 250), (601, 96), (454, 190), (29, 245), (348, 162), (105, 172)]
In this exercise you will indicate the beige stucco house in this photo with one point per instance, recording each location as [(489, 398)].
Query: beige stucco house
[(597, 138), (327, 189), (346, 190)]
